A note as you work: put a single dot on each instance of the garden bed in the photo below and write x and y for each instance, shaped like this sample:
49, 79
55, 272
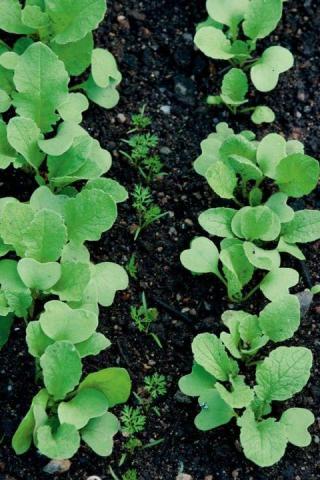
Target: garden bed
153, 42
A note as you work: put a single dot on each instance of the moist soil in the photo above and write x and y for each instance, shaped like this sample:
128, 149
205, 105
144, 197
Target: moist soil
152, 40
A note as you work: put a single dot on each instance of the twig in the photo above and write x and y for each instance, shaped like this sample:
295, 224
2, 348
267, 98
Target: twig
170, 309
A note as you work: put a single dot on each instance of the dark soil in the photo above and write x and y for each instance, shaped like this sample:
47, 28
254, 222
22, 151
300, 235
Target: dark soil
152, 40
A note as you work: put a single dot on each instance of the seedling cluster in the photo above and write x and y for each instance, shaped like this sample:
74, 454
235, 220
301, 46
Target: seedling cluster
231, 32
45, 263
258, 181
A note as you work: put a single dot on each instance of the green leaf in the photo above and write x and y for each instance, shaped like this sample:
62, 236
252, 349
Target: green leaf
66, 288
104, 68
292, 249
114, 383
209, 353
35, 18
283, 373
278, 203
234, 87
10, 17
297, 174
60, 322
238, 145
110, 186
104, 97
261, 18
274, 61
244, 167
213, 43
17, 295
5, 101
241, 395
214, 411
296, 422
72, 252
71, 20
88, 403
263, 114
197, 382
280, 319
229, 13
294, 146
99, 433
271, 150
5, 327
45, 237
260, 258
89, 214
59, 144
265, 442
106, 279
84, 160
94, 345
278, 282
72, 108
217, 221
256, 223
202, 257
75, 55
304, 228
222, 179
62, 368
39, 99
22, 438
38, 276
23, 135
43, 199
37, 340
7, 153
236, 268
59, 445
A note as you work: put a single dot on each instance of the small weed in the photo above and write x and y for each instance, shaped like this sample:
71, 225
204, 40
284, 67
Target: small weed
155, 385
131, 267
132, 420
147, 211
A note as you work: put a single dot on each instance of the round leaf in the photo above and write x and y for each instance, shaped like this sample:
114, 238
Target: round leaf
38, 276
297, 174
280, 319
202, 257
213, 43
217, 221
265, 73
88, 403
59, 445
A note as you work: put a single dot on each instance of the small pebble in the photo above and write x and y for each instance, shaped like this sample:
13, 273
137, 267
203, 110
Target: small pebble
166, 109
57, 466
121, 117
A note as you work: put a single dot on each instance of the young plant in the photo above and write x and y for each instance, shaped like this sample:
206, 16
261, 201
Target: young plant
155, 385
231, 33
239, 169
132, 268
48, 234
130, 474
223, 393
67, 411
143, 147
68, 156
132, 420
147, 211
143, 317
66, 29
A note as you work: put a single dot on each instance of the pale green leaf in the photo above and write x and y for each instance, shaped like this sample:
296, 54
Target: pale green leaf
60, 322
114, 383
296, 422
261, 18
104, 97
274, 61
197, 382
110, 186
10, 17
280, 319
209, 353
229, 13
106, 279
278, 282
278, 203
104, 68
217, 221
240, 395
261, 258
37, 340
88, 403
214, 411
265, 442
263, 114
89, 214
304, 228
38, 276
202, 257
234, 87
75, 55
271, 150
222, 179
42, 85
93, 345
71, 20
297, 174
62, 368
59, 445
23, 135
99, 433
290, 248
67, 288
283, 373
213, 43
